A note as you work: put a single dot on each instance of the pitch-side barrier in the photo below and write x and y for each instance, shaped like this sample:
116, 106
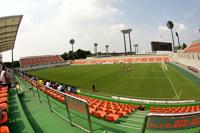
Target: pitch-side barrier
75, 108
160, 121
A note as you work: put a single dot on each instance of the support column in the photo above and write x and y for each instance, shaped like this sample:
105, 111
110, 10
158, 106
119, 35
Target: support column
12, 58
130, 43
124, 43
172, 41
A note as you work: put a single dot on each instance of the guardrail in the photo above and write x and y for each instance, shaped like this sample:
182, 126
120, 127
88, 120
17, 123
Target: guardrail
72, 104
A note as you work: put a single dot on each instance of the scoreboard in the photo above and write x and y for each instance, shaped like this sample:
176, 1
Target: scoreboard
161, 46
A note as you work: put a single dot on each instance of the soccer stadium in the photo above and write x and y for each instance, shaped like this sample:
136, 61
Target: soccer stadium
130, 88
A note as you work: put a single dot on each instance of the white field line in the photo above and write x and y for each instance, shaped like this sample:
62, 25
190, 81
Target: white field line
128, 126
174, 89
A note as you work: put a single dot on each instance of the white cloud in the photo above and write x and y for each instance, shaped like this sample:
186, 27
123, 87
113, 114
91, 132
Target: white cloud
163, 28
48, 25
182, 27
118, 27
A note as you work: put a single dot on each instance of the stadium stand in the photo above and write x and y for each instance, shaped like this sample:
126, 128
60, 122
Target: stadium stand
193, 48
189, 57
107, 110
182, 109
3, 108
40, 60
149, 59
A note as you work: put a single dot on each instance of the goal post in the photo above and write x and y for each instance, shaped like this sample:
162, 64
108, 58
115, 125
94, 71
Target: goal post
172, 121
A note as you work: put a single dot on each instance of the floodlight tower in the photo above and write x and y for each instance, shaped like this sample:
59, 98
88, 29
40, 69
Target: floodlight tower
124, 32
170, 25
136, 48
72, 41
178, 40
95, 49
129, 31
107, 49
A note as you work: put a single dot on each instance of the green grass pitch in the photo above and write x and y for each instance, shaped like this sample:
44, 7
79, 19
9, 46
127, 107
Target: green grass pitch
135, 80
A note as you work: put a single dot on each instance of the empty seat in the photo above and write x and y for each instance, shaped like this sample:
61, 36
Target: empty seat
3, 106
3, 94
4, 129
3, 91
3, 99
99, 114
121, 113
112, 117
4, 117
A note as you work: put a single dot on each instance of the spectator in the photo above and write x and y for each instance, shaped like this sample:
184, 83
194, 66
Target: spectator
3, 75
73, 90
4, 78
48, 84
60, 88
69, 88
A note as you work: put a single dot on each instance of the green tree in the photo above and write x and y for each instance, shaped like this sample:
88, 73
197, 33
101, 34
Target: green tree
64, 56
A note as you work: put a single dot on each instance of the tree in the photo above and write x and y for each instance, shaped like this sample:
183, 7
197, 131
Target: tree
9, 64
79, 54
64, 56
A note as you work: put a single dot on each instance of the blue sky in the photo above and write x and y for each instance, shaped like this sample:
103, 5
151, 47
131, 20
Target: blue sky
48, 25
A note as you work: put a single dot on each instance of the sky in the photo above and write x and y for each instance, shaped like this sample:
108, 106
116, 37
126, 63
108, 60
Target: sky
48, 25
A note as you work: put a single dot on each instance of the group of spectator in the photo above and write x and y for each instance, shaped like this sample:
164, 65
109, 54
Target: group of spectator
6, 77
62, 87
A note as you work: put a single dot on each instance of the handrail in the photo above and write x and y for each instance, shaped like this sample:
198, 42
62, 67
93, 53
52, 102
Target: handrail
31, 81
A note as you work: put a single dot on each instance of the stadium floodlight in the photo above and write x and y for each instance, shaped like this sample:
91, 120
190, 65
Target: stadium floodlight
178, 40
95, 49
124, 32
170, 25
107, 49
72, 41
136, 48
127, 31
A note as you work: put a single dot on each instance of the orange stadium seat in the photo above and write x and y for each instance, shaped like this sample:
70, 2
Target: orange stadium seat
3, 95
4, 129
112, 117
3, 106
4, 117
99, 114
3, 99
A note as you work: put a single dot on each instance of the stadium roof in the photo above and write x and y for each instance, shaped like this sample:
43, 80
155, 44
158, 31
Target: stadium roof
8, 31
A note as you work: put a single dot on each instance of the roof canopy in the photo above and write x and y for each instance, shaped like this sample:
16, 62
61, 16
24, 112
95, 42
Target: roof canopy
8, 31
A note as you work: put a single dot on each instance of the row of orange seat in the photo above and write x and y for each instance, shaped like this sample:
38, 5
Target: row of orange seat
39, 60
182, 109
193, 48
3, 107
111, 111
124, 60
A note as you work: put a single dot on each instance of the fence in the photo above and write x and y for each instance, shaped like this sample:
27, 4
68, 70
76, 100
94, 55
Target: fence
70, 108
